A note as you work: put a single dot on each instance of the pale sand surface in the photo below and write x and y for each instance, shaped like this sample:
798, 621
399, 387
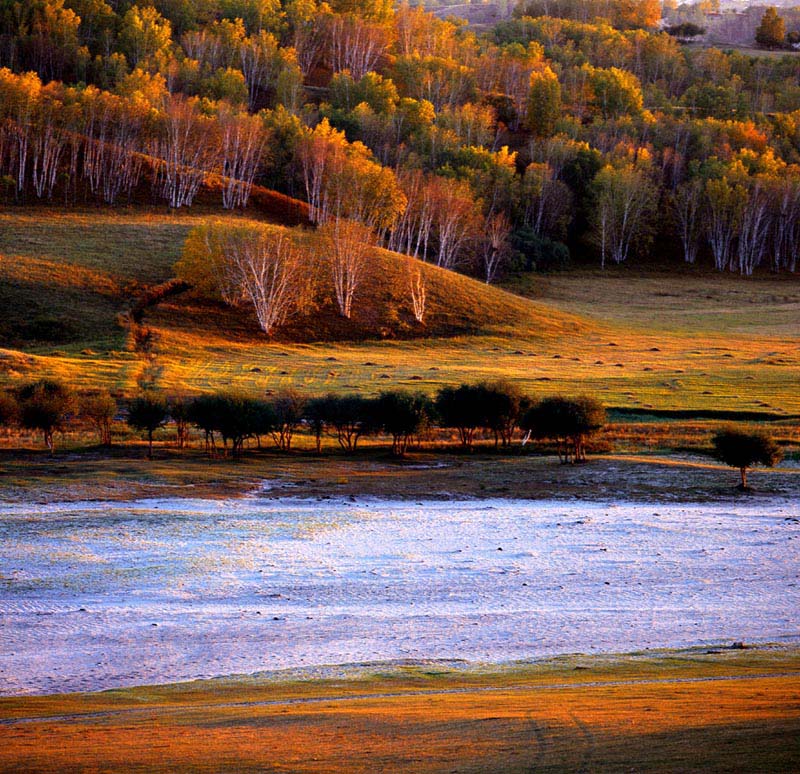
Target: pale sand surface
100, 595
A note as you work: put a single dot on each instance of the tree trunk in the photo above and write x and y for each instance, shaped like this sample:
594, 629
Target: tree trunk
743, 471
149, 444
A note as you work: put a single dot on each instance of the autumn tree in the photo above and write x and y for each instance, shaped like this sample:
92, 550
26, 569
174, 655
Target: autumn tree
265, 267
343, 181
99, 409
614, 92
771, 32
244, 141
495, 247
786, 223
355, 44
40, 36
725, 204
144, 35
755, 227
547, 201
347, 245
687, 204
544, 103
185, 150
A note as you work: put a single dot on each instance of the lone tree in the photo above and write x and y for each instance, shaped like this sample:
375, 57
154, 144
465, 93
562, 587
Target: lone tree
44, 406
771, 33
147, 413
743, 450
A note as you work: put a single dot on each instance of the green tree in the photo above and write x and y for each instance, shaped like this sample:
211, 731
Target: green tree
743, 450
771, 33
402, 415
145, 33
147, 413
288, 408
349, 417
567, 421
544, 103
45, 406
504, 405
464, 408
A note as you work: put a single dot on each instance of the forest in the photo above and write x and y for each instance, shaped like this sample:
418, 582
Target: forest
568, 132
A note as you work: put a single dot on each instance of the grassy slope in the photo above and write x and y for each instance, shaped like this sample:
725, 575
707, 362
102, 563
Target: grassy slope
81, 270
680, 711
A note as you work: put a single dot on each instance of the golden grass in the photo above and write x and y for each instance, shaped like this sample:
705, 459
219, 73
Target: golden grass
688, 711
690, 340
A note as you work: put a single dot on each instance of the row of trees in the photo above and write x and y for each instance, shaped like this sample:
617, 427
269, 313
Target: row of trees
497, 409
57, 137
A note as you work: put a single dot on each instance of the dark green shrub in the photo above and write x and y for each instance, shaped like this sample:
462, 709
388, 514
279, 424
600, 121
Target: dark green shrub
743, 450
288, 408
567, 421
45, 406
147, 413
402, 415
462, 408
504, 405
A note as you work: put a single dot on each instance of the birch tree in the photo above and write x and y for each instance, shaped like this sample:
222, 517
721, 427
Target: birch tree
687, 201
355, 45
243, 144
755, 228
270, 268
725, 205
624, 206
495, 247
418, 289
347, 245
186, 150
786, 224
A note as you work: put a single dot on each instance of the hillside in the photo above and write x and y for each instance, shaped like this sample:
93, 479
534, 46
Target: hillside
68, 278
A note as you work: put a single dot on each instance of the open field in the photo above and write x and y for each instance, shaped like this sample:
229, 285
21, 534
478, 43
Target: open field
689, 711
723, 342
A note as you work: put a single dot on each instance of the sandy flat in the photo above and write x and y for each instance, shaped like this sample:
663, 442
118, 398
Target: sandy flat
101, 595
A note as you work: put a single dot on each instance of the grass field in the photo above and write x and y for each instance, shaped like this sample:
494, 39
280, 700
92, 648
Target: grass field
694, 340
690, 711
